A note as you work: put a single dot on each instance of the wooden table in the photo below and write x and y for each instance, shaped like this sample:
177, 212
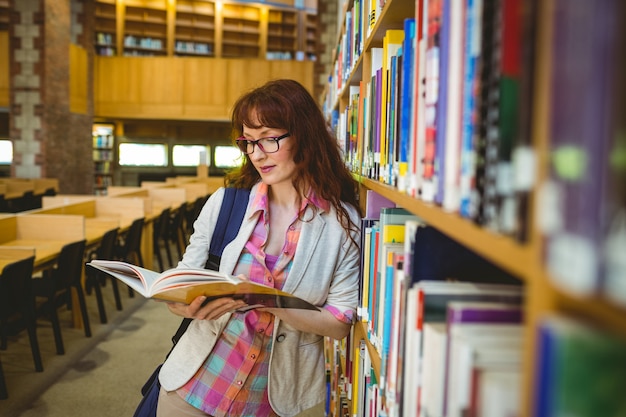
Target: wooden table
46, 251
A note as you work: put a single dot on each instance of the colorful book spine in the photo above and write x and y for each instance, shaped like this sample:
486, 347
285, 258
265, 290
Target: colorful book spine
580, 370
471, 84
406, 104
431, 99
450, 170
441, 107
580, 140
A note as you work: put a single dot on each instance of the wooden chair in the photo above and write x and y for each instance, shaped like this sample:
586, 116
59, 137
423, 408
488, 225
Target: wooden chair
128, 247
177, 234
160, 238
56, 284
192, 213
17, 309
96, 279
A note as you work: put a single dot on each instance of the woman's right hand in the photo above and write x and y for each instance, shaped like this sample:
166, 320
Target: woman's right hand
212, 310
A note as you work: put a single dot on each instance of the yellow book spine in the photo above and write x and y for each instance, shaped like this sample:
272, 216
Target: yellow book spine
393, 233
392, 41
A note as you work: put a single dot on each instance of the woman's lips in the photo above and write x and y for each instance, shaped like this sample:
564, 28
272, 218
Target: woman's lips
266, 169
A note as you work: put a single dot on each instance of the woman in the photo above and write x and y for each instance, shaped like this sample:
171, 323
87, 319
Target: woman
299, 234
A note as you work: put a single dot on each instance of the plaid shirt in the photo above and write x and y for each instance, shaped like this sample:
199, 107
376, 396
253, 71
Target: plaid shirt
233, 379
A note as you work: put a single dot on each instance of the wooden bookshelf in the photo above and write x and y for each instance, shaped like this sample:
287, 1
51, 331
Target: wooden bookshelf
145, 28
282, 34
204, 28
522, 259
241, 31
106, 28
195, 28
310, 36
103, 139
4, 15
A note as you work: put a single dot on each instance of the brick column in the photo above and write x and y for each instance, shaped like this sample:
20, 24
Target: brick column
49, 140
327, 11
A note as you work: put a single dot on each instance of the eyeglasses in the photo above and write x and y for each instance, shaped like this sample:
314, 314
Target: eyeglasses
267, 145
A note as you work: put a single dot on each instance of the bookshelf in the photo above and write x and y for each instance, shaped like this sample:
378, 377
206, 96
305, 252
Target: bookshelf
4, 15
195, 28
309, 39
282, 34
241, 30
145, 28
106, 29
103, 156
204, 28
521, 254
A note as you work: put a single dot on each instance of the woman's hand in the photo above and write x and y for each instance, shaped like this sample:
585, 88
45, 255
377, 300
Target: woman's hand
210, 311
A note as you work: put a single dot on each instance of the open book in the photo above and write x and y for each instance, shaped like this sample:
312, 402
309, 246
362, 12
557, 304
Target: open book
184, 285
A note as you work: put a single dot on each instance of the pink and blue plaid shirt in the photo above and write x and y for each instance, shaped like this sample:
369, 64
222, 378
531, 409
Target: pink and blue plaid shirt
233, 379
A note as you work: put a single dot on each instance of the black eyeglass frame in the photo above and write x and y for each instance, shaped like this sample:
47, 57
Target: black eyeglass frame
244, 143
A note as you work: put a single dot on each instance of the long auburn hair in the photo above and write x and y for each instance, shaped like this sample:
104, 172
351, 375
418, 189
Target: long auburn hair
286, 104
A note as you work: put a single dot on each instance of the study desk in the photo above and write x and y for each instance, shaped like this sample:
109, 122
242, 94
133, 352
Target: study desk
8, 256
41, 234
46, 251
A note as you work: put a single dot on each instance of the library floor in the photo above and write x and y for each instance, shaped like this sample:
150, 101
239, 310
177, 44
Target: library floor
98, 376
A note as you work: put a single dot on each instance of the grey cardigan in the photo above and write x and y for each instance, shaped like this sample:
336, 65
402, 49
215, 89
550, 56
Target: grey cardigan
325, 271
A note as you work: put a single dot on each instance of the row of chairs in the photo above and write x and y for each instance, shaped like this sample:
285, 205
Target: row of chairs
24, 299
174, 228
27, 201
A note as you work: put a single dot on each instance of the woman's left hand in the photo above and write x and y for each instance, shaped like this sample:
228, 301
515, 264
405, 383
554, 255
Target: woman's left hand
212, 310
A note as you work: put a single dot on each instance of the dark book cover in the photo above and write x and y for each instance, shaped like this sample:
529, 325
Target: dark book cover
441, 119
583, 42
438, 257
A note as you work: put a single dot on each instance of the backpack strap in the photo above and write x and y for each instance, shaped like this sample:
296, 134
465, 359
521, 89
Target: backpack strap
228, 223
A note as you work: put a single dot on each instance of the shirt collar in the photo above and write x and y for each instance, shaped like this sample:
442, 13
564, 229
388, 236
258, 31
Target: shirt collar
261, 201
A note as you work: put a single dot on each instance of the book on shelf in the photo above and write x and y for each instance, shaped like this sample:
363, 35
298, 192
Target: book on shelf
434, 10
471, 82
385, 316
472, 326
434, 368
438, 257
496, 393
452, 378
391, 235
405, 110
581, 369
580, 134
183, 285
614, 284
449, 178
417, 141
427, 301
442, 119
524, 155
366, 264
392, 127
374, 203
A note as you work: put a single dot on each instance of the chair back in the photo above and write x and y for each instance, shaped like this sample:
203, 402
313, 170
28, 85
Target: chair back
70, 264
107, 245
15, 288
133, 237
161, 226
176, 223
